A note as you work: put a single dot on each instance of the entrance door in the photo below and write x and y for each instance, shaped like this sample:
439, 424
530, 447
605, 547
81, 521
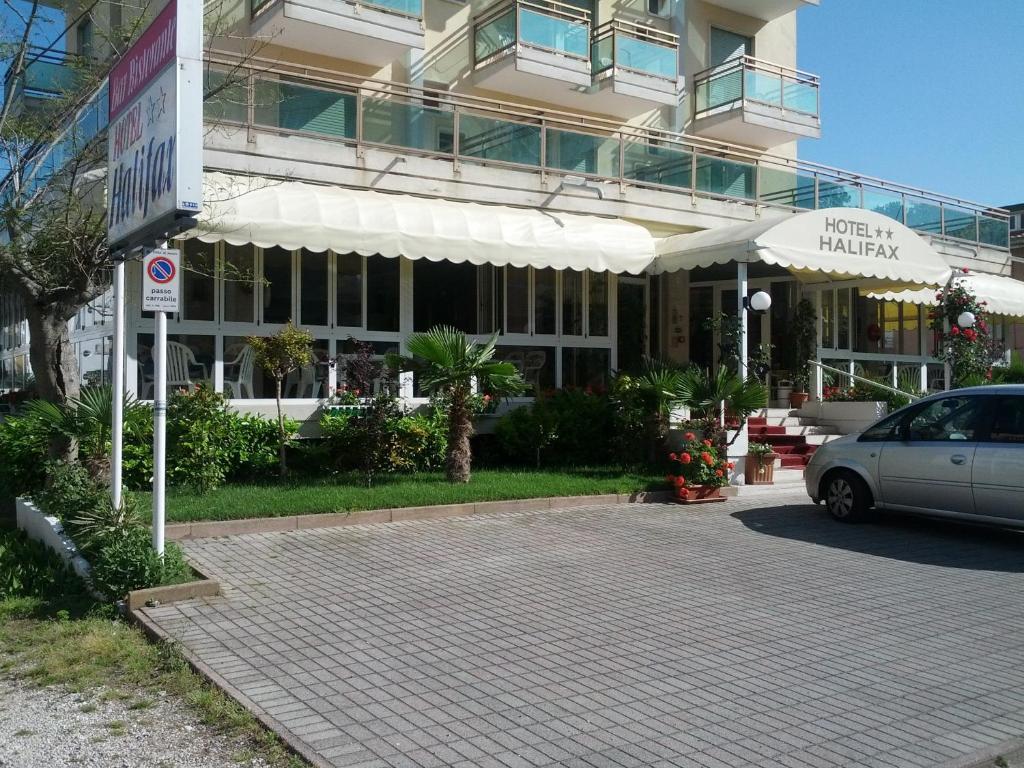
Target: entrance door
632, 319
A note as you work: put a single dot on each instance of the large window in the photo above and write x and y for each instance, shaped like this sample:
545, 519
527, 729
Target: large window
239, 284
350, 290
277, 285
382, 293
190, 360
313, 288
463, 296
518, 298
198, 283
545, 301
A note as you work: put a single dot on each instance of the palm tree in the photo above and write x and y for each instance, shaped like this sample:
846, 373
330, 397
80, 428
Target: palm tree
658, 387
707, 394
448, 364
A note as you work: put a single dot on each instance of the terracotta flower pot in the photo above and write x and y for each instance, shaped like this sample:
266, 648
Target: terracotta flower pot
699, 494
797, 399
761, 468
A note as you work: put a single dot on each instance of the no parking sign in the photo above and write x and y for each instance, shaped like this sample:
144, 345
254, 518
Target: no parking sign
161, 278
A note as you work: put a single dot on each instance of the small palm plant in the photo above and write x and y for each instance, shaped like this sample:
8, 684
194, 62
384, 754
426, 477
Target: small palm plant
658, 387
447, 364
708, 394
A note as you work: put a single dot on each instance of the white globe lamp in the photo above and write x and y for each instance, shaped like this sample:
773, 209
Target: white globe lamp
761, 301
966, 320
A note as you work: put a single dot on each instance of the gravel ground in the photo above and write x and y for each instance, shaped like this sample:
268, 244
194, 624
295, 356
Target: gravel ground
55, 728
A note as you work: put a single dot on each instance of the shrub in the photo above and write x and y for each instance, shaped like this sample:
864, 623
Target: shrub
422, 442
30, 569
71, 492
567, 428
698, 462
126, 561
24, 441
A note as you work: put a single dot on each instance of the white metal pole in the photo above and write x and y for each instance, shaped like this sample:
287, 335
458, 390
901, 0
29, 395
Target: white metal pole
117, 388
741, 313
159, 429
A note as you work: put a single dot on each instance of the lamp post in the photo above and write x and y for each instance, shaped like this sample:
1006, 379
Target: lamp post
964, 320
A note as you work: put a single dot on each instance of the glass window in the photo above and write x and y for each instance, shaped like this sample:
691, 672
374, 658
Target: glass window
382, 293
597, 293
198, 281
946, 419
572, 303
277, 285
702, 341
239, 283
350, 290
910, 329
545, 296
517, 280
535, 364
885, 429
843, 318
189, 362
444, 294
1008, 421
489, 299
654, 310
725, 45
313, 288
585, 368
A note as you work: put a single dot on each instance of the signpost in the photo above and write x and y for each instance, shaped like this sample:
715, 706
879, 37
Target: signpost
154, 189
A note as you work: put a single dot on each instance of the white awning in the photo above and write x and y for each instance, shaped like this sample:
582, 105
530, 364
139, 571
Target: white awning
1004, 295
824, 245
292, 215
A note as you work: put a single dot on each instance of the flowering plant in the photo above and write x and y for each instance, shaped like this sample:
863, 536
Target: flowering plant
969, 350
345, 396
697, 462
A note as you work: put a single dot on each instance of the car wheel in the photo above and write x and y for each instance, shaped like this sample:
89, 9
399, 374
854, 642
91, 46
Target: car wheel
847, 498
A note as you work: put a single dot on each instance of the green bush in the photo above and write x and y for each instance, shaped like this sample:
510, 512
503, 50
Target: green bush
70, 491
567, 428
126, 561
29, 569
24, 441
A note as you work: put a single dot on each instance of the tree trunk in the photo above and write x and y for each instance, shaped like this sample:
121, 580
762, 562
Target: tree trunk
54, 367
460, 428
282, 438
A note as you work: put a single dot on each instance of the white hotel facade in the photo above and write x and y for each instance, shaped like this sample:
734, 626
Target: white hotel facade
591, 178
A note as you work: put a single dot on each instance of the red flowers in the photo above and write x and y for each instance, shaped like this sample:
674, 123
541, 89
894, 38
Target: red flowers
965, 270
719, 473
955, 330
730, 465
706, 443
685, 458
672, 457
689, 436
706, 458
970, 334
680, 482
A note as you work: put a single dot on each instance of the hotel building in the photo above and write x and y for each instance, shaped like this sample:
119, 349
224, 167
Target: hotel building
592, 179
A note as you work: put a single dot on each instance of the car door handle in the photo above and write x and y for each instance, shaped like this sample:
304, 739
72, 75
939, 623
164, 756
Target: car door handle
958, 458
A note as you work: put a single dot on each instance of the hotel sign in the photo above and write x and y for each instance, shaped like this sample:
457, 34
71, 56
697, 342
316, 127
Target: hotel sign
849, 237
154, 138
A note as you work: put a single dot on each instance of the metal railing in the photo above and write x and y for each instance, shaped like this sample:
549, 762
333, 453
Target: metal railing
865, 380
745, 78
412, 9
545, 24
47, 74
635, 47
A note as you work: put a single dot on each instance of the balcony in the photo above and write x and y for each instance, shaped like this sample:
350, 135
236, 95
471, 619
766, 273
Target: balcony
765, 10
538, 49
48, 76
635, 68
375, 32
755, 103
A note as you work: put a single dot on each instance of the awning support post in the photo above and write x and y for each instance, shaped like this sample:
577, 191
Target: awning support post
741, 313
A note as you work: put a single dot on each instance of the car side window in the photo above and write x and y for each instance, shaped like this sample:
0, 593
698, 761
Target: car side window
883, 430
947, 419
1008, 420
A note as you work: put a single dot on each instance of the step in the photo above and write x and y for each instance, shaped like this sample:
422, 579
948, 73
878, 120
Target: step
787, 481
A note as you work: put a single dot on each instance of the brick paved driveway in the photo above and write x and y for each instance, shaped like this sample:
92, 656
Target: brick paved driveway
734, 635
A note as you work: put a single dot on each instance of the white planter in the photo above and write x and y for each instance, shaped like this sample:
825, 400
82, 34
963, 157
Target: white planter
846, 418
48, 531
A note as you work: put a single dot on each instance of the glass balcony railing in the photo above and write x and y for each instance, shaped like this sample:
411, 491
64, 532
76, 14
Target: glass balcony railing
746, 79
47, 75
637, 48
410, 8
545, 24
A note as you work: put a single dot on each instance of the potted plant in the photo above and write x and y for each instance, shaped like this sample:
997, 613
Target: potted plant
760, 464
698, 471
804, 333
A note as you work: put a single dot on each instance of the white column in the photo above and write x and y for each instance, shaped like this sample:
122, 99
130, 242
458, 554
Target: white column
117, 388
741, 313
159, 429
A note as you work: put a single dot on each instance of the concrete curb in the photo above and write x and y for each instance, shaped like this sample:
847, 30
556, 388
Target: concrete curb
203, 586
292, 743
212, 529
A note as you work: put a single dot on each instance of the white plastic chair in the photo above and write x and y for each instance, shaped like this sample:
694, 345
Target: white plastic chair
180, 364
241, 368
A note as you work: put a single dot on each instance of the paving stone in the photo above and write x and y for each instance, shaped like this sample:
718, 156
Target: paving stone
745, 634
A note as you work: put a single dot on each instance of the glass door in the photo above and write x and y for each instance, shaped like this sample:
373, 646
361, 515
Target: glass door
632, 334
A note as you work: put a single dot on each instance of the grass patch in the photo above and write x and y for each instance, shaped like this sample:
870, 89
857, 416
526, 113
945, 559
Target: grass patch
348, 493
84, 646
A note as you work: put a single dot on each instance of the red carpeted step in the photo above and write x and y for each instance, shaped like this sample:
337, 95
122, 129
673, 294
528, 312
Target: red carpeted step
762, 431
789, 460
757, 421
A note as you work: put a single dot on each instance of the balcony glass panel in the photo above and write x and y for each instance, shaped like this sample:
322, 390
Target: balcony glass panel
602, 54
800, 96
884, 202
924, 215
725, 177
408, 125
582, 152
228, 102
490, 139
496, 35
763, 86
992, 231
404, 7
665, 165
49, 77
831, 194
781, 187
303, 108
645, 56
719, 90
960, 223
553, 33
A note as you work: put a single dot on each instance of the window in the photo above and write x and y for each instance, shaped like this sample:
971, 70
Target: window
725, 45
1008, 421
277, 285
658, 7
545, 297
843, 319
85, 38
197, 278
946, 419
239, 284
382, 302
597, 289
572, 303
518, 297
585, 368
350, 290
313, 288
444, 294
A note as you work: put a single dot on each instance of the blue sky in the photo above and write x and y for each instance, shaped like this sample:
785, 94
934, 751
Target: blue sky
923, 92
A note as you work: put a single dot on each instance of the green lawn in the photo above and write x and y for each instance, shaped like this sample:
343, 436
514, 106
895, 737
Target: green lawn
348, 493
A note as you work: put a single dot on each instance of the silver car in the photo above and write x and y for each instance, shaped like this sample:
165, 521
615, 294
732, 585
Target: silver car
957, 454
